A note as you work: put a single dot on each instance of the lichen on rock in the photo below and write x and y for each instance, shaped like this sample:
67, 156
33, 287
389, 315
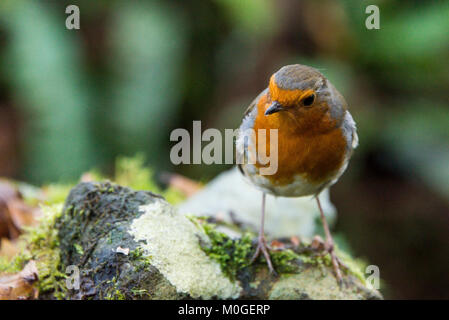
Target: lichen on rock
173, 242
132, 244
313, 284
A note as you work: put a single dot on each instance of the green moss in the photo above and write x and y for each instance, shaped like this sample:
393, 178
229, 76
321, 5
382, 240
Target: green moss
356, 266
233, 255
56, 193
140, 293
175, 243
173, 196
132, 172
285, 261
136, 254
116, 291
43, 243
42, 246
15, 264
323, 260
78, 248
4, 264
343, 250
140, 261
113, 292
312, 283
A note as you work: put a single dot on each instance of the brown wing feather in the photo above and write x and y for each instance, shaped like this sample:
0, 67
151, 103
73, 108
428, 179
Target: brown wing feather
253, 104
248, 110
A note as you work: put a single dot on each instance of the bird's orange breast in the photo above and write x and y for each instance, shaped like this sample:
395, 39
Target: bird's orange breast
312, 146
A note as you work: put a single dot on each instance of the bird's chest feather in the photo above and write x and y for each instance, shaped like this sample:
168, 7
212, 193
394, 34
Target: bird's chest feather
316, 155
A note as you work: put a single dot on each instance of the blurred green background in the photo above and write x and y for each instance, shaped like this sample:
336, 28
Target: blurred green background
72, 100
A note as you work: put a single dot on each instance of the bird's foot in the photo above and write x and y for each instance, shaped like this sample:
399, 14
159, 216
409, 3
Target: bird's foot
337, 264
262, 247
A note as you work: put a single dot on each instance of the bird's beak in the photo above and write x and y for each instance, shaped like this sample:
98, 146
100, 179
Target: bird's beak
275, 107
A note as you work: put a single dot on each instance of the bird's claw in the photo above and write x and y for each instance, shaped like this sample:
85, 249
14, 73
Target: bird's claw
262, 247
337, 264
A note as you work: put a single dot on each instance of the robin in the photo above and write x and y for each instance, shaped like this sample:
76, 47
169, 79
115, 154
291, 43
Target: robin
316, 136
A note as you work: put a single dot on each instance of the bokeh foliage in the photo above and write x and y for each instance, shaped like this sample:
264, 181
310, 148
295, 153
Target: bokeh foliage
138, 69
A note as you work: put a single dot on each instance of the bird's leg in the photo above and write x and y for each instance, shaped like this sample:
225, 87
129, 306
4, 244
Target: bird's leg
261, 243
329, 245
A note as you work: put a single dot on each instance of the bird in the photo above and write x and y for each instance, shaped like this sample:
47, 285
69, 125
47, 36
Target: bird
316, 136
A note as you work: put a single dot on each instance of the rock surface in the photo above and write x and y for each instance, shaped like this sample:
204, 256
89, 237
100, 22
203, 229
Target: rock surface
134, 245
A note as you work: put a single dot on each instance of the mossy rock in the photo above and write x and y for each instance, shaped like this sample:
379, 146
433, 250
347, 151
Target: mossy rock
134, 245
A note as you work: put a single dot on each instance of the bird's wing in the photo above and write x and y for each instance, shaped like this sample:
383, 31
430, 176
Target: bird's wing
350, 127
254, 103
246, 124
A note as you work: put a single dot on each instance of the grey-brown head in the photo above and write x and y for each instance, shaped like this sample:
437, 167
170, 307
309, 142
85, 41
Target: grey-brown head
298, 89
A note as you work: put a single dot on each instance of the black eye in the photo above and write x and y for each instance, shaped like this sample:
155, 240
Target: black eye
309, 100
